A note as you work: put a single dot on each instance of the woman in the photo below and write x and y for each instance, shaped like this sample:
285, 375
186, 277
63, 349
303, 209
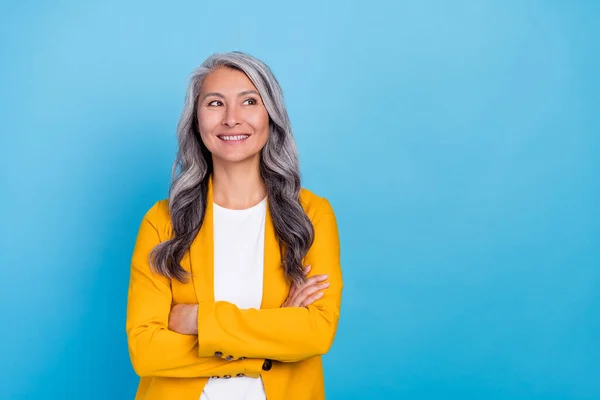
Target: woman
236, 283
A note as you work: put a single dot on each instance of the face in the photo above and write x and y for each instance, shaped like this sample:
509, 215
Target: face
232, 119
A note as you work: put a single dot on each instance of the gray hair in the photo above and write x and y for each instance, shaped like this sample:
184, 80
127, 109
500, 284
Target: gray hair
279, 169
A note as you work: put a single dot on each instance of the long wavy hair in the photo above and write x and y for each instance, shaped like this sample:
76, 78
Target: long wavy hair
279, 169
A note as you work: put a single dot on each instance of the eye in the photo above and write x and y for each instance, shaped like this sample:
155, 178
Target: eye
250, 101
215, 103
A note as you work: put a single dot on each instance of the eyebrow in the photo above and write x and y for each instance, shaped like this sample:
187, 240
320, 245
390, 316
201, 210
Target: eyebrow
217, 94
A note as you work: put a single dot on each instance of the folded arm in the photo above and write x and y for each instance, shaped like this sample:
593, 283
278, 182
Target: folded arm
154, 349
283, 334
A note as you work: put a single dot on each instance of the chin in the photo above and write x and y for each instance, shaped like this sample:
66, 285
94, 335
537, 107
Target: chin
236, 158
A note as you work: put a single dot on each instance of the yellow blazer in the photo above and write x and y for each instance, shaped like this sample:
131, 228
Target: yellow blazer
231, 341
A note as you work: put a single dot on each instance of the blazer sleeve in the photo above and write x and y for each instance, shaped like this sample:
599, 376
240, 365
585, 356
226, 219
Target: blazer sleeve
282, 334
153, 348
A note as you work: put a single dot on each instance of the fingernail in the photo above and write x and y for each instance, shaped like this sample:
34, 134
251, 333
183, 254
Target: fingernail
325, 284
320, 294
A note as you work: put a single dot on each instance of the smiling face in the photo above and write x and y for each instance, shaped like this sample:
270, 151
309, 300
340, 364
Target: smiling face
232, 119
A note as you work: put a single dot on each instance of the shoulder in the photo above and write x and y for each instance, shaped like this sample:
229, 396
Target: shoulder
315, 206
158, 216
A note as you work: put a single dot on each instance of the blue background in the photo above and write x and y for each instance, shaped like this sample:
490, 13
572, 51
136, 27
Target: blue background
457, 141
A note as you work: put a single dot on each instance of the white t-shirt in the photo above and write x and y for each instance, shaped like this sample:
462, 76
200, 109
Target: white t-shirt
238, 271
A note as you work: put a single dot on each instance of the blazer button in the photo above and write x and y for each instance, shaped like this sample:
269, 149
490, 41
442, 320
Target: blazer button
229, 358
227, 376
240, 375
218, 353
267, 365
242, 358
215, 377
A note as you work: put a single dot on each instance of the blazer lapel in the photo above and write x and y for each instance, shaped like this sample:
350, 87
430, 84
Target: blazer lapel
202, 254
274, 282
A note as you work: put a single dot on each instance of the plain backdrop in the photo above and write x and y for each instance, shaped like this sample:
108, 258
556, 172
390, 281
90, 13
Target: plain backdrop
457, 141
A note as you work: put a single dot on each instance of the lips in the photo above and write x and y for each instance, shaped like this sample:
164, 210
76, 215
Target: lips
234, 138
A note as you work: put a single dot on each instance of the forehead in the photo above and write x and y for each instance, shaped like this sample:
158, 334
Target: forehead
227, 80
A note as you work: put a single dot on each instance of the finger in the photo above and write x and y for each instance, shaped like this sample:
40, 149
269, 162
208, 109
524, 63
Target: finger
300, 290
299, 294
293, 290
293, 299
307, 281
305, 271
316, 279
311, 299
291, 295
310, 290
307, 292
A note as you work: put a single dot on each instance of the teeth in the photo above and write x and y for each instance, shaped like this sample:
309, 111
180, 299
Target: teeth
237, 137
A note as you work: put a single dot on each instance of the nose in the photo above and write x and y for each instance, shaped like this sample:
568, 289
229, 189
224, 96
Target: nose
231, 117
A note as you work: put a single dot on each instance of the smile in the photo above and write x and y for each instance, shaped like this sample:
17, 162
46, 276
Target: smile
233, 138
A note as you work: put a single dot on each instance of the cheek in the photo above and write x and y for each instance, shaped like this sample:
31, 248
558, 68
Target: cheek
260, 122
207, 123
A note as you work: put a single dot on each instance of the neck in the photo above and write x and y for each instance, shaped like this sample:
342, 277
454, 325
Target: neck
239, 185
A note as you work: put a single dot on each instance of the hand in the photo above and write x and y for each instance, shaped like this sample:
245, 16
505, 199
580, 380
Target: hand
184, 319
306, 293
